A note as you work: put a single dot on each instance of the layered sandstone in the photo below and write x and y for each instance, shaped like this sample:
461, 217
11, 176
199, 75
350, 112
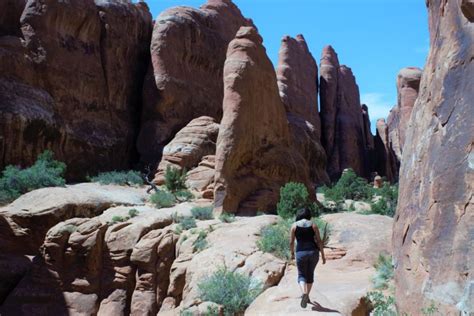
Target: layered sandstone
345, 136
297, 75
70, 81
254, 157
184, 82
386, 163
432, 235
186, 150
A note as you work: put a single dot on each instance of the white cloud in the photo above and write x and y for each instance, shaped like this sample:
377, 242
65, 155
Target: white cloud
379, 105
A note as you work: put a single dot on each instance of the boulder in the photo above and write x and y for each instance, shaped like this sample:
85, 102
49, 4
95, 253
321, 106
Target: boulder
201, 178
184, 82
342, 283
254, 156
344, 122
433, 232
297, 76
70, 81
25, 221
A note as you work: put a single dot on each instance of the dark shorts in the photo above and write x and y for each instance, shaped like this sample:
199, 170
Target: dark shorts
306, 262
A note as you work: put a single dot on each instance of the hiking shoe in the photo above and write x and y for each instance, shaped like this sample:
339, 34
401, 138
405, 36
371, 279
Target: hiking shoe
304, 300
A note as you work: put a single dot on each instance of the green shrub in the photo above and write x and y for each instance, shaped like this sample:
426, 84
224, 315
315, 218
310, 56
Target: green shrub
227, 218
382, 305
133, 212
348, 187
118, 219
202, 212
387, 203
324, 230
384, 272
293, 197
175, 179
201, 242
163, 199
183, 195
234, 291
186, 223
275, 239
432, 309
45, 172
119, 177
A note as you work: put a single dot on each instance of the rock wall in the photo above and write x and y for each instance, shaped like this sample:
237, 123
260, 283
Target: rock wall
297, 76
254, 156
433, 230
184, 82
386, 163
343, 123
70, 81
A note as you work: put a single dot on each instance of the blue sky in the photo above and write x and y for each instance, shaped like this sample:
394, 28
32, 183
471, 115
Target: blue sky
376, 38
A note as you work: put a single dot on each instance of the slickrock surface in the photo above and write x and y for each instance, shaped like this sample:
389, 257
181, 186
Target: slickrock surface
433, 232
341, 283
345, 136
189, 146
70, 81
254, 156
188, 50
25, 221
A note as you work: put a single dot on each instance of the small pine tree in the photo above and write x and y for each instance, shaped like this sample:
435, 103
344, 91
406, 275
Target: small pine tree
175, 179
293, 197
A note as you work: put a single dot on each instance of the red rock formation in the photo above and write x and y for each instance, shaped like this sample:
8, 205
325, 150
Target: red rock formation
254, 157
386, 163
408, 85
344, 134
433, 230
185, 80
297, 75
72, 83
189, 146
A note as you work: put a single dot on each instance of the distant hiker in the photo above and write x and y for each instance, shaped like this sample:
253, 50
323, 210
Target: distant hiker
308, 246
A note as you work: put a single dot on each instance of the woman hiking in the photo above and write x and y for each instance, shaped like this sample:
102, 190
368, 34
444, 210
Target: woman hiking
308, 246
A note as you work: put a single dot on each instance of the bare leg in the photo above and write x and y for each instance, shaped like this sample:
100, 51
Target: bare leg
303, 287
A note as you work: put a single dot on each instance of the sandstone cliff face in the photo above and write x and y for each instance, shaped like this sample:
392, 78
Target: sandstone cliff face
297, 75
343, 124
386, 163
433, 231
70, 81
184, 82
254, 157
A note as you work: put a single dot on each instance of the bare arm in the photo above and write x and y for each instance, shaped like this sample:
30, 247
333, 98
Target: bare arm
319, 242
292, 241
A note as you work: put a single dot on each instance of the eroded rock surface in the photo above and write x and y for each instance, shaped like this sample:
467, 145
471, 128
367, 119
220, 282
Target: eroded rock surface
70, 81
188, 51
345, 136
433, 231
254, 156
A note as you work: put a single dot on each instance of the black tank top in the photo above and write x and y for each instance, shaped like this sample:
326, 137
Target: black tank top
305, 239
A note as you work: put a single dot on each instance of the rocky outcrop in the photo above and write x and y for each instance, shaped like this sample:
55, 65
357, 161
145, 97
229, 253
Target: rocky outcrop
189, 146
432, 235
297, 75
254, 156
343, 282
25, 221
201, 178
70, 81
188, 51
408, 85
344, 126
386, 163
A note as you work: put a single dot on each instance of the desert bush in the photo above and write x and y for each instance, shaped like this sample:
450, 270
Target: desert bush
275, 239
118, 219
387, 203
227, 218
133, 212
45, 172
348, 187
293, 197
201, 242
233, 290
119, 177
202, 212
384, 272
163, 199
185, 223
175, 179
183, 195
382, 305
